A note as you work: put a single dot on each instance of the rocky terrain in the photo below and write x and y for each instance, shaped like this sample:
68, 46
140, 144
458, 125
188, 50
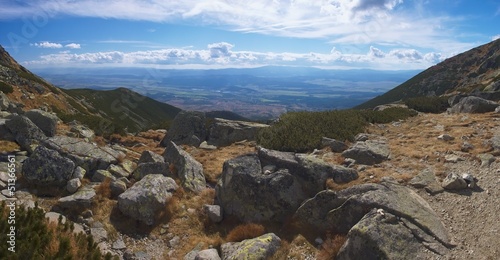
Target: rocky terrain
421, 188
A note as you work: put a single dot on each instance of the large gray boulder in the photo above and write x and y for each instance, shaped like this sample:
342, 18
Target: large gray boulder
188, 127
335, 145
382, 235
85, 154
4, 102
25, 131
473, 104
312, 172
46, 121
247, 193
147, 197
48, 167
259, 248
150, 157
224, 132
340, 211
189, 171
368, 152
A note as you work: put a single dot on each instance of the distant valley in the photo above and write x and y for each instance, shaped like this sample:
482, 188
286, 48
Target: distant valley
256, 93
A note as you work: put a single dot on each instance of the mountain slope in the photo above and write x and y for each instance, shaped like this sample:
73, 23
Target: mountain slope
472, 70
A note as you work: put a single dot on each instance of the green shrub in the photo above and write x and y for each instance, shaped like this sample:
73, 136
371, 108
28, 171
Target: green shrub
302, 131
428, 104
36, 240
6, 88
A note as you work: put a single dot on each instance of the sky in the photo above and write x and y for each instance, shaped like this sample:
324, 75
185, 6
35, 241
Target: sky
211, 34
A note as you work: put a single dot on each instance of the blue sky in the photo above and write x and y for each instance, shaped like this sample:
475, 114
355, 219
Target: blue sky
346, 34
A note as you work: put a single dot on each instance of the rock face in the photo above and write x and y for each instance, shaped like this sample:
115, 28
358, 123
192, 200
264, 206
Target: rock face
341, 211
188, 128
87, 155
225, 132
25, 131
46, 121
473, 104
189, 171
48, 167
146, 197
259, 248
244, 191
368, 152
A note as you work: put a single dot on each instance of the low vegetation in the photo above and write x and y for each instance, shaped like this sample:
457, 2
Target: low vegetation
302, 131
433, 104
36, 238
6, 88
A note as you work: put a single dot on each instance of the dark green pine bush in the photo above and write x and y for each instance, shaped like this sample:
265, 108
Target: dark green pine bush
302, 131
434, 105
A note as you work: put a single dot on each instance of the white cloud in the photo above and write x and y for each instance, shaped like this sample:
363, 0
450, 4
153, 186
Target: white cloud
221, 54
50, 45
73, 46
496, 37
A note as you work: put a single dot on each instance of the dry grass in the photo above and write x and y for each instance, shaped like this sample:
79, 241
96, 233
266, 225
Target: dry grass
245, 231
331, 246
103, 190
7, 146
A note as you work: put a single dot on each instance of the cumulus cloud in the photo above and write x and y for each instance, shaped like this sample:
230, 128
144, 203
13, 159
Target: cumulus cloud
221, 54
50, 45
73, 46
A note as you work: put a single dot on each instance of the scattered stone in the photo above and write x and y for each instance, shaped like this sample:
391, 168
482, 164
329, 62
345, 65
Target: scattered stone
117, 187
192, 254
99, 233
144, 169
4, 101
79, 172
262, 247
150, 157
208, 254
188, 127
119, 245
81, 131
335, 145
423, 179
174, 241
47, 122
361, 137
224, 132
469, 179
472, 104
54, 217
466, 147
73, 185
80, 200
189, 171
454, 182
486, 159
102, 175
146, 197
25, 131
453, 158
268, 169
205, 146
446, 137
368, 152
48, 167
214, 212
118, 171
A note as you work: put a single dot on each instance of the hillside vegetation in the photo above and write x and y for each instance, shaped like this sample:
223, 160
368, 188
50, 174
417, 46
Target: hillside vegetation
302, 131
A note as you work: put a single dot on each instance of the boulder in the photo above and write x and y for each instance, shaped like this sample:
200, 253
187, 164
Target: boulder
445, 137
426, 179
486, 159
25, 131
48, 167
188, 127
208, 254
368, 152
147, 197
214, 212
224, 132
340, 211
473, 104
118, 171
381, 235
46, 121
259, 248
150, 157
454, 182
4, 102
144, 169
85, 154
80, 200
335, 145
73, 185
117, 187
312, 172
189, 171
81, 131
102, 175
245, 192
